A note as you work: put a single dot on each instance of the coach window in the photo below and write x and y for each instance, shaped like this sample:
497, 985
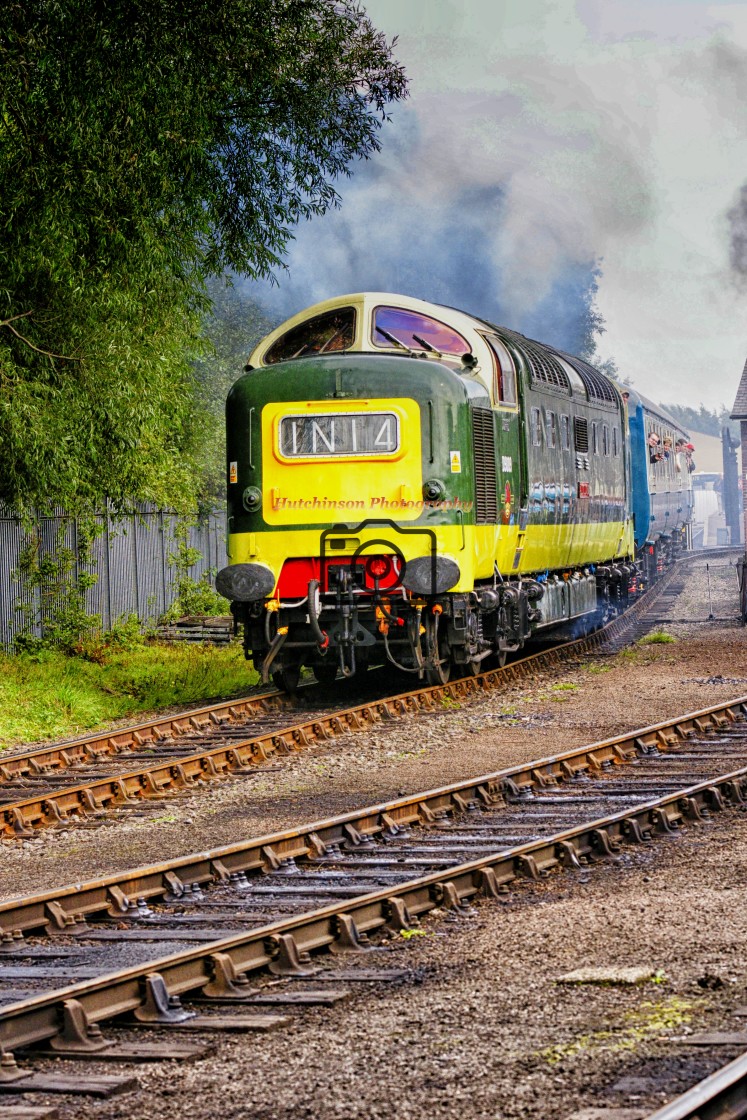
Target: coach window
395, 328
536, 427
565, 433
503, 371
324, 334
605, 439
551, 428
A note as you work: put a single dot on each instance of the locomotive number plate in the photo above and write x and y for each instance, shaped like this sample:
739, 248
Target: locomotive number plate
344, 433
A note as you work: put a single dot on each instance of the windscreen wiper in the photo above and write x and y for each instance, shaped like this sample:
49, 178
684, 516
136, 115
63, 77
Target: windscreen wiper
394, 340
426, 345
335, 335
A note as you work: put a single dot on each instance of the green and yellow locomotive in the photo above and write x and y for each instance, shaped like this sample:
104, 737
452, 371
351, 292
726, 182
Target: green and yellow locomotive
409, 483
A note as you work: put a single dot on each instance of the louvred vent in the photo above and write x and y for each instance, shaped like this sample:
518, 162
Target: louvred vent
581, 433
483, 441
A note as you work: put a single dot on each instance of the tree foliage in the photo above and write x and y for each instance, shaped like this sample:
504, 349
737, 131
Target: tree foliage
234, 327
145, 147
705, 420
593, 327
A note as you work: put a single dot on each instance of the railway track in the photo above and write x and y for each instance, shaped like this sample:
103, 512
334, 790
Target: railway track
240, 927
722, 1096
180, 752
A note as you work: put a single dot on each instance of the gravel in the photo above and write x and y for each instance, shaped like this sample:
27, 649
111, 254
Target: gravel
481, 1028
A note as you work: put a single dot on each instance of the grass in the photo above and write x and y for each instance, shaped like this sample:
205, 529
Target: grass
659, 637
47, 695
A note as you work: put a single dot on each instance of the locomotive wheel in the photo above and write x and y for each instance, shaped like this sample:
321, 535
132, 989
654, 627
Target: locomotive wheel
473, 667
326, 674
287, 678
440, 672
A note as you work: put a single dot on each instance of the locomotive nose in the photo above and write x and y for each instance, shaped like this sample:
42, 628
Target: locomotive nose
245, 583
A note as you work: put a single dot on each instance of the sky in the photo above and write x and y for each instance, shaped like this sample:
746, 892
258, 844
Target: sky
545, 145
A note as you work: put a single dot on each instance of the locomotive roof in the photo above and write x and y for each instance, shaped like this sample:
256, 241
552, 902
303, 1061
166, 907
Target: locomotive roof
549, 366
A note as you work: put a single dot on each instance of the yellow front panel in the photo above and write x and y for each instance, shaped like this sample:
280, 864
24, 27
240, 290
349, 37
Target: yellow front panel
323, 490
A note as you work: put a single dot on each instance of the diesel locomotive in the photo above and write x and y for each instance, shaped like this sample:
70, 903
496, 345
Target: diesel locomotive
409, 483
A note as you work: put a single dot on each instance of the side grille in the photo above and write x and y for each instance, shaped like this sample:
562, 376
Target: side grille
546, 369
483, 440
581, 433
598, 386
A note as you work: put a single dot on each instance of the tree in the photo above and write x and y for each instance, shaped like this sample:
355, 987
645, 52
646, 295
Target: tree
593, 327
235, 326
708, 422
146, 146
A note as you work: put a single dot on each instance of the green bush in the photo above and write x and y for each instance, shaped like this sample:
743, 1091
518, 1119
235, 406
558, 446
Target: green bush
193, 596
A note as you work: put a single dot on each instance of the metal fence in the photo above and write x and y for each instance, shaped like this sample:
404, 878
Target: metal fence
129, 557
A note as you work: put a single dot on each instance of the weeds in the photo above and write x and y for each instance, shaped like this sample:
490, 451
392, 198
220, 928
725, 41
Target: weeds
659, 637
640, 1025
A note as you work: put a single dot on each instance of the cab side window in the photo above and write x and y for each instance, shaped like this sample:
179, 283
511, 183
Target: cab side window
503, 369
551, 428
535, 423
565, 433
